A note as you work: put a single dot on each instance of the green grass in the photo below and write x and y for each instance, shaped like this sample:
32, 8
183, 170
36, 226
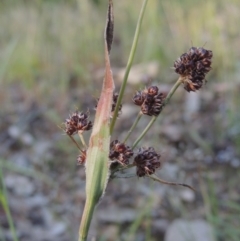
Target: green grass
223, 215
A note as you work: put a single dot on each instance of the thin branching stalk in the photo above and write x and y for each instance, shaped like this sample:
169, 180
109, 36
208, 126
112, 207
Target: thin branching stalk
129, 64
155, 178
74, 141
82, 139
133, 126
169, 96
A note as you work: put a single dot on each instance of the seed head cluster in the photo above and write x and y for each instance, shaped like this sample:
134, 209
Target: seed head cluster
120, 152
146, 161
193, 66
76, 122
150, 100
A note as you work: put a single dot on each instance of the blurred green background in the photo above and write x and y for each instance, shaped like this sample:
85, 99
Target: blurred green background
51, 60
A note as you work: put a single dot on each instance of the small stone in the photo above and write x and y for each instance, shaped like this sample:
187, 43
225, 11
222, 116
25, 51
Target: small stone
57, 229
20, 185
192, 105
27, 139
182, 230
173, 132
110, 232
235, 162
115, 215
187, 195
160, 226
14, 132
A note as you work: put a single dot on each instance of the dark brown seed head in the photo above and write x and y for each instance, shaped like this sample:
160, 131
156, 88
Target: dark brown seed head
146, 161
77, 121
138, 98
120, 152
193, 66
150, 100
152, 90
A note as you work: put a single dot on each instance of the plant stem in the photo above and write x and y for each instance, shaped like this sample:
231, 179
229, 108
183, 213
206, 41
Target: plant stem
86, 220
171, 92
82, 140
129, 64
133, 126
5, 206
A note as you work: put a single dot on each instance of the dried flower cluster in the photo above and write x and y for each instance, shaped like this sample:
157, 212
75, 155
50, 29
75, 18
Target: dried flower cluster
146, 161
150, 100
193, 66
120, 152
77, 122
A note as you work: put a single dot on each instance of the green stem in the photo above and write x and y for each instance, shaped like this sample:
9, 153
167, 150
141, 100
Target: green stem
82, 139
133, 126
169, 96
74, 141
86, 220
129, 65
4, 202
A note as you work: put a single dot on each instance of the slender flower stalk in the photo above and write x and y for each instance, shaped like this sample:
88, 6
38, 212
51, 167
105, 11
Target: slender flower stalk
82, 139
4, 202
155, 178
133, 126
74, 141
169, 96
129, 64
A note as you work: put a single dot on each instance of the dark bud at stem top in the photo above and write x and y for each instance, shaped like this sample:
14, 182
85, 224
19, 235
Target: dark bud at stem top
193, 66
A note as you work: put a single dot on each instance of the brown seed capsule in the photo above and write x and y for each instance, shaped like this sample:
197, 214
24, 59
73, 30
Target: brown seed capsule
138, 98
152, 90
193, 66
77, 121
146, 161
150, 100
120, 152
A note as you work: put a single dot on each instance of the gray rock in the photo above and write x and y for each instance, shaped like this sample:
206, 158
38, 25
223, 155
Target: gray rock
14, 132
116, 215
173, 133
57, 229
187, 195
27, 139
182, 230
20, 185
192, 105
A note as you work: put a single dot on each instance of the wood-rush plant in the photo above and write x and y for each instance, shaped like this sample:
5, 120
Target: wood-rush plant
104, 158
